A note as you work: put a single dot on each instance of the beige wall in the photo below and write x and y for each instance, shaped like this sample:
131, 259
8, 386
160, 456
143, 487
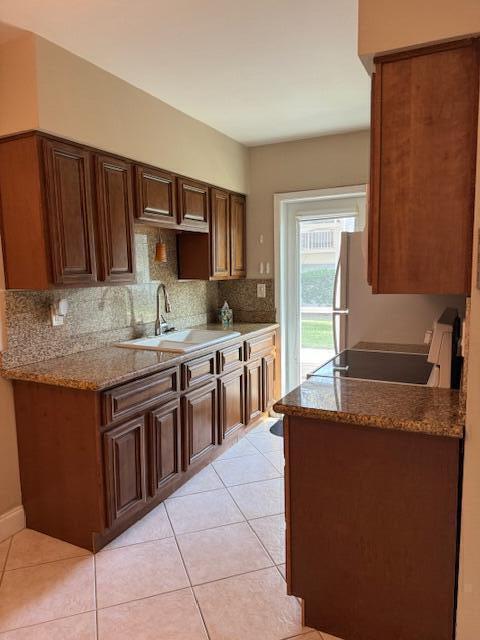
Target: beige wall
328, 161
386, 25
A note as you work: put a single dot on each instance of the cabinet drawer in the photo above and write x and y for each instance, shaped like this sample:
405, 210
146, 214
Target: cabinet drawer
137, 395
230, 358
198, 371
259, 346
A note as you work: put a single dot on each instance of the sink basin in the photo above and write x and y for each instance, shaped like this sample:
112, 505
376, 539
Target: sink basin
180, 341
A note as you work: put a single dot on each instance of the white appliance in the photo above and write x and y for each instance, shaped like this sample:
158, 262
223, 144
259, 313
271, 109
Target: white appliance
442, 348
359, 315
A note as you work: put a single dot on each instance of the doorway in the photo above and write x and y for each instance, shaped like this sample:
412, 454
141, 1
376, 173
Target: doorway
308, 228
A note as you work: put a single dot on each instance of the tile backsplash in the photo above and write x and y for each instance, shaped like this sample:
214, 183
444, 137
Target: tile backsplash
98, 316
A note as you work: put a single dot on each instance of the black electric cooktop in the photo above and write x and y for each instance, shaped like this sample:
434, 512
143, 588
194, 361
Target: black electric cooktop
386, 366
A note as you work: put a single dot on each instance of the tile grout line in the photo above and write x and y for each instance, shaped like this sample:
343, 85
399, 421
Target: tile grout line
40, 624
2, 574
42, 564
188, 576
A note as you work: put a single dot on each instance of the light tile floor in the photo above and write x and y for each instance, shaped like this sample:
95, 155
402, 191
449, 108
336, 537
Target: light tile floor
208, 564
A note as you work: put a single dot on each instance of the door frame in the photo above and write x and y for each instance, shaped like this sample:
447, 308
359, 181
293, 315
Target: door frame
287, 207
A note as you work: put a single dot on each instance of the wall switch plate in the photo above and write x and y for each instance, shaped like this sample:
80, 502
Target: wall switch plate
261, 291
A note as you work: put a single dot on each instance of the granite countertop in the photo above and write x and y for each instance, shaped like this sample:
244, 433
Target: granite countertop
420, 409
106, 367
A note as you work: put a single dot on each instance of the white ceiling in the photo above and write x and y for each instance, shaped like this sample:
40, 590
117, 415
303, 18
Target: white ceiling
260, 71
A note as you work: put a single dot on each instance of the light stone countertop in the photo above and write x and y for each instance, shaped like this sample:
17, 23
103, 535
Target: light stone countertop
99, 369
384, 405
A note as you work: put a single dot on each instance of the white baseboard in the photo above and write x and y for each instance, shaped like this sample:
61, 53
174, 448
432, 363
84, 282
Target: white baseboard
12, 522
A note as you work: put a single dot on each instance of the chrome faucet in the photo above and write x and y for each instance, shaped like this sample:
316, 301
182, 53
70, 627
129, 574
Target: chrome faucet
160, 322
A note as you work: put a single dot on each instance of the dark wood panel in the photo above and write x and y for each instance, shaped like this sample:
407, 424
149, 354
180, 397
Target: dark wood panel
372, 530
220, 234
199, 419
69, 212
125, 469
193, 204
232, 403
230, 358
269, 374
115, 219
254, 391
60, 461
25, 255
198, 371
238, 241
125, 399
156, 200
260, 345
165, 445
193, 254
426, 155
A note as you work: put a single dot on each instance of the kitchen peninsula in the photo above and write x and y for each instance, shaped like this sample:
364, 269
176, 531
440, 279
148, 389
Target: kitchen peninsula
373, 476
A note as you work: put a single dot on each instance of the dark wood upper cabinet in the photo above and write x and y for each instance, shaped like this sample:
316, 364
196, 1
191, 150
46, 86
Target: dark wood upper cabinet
69, 212
125, 469
424, 124
220, 235
156, 198
193, 204
238, 217
115, 219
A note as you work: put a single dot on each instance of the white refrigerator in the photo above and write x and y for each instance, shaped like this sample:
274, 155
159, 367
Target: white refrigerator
360, 316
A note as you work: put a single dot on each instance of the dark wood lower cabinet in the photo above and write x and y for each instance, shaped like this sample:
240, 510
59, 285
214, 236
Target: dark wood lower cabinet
254, 393
232, 402
372, 529
92, 462
165, 445
125, 469
199, 422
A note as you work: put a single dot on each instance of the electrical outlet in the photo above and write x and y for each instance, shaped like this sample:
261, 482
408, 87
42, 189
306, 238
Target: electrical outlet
261, 291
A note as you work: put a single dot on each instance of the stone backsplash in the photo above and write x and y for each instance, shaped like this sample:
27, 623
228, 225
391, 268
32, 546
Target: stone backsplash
101, 315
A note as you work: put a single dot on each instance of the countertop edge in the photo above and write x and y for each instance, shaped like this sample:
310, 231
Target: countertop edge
375, 422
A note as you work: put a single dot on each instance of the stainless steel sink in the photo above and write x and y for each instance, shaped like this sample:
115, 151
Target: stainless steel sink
180, 341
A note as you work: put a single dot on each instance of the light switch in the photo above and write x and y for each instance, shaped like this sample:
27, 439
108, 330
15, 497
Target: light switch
261, 291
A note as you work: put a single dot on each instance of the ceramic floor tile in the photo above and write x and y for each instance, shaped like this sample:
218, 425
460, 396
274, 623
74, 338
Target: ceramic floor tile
138, 571
277, 459
31, 547
4, 547
327, 636
154, 526
266, 441
262, 427
311, 635
260, 499
205, 480
253, 606
222, 552
172, 616
283, 570
202, 511
245, 469
243, 448
80, 627
271, 531
45, 592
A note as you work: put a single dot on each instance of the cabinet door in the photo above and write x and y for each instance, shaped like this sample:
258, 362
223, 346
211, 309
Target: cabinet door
155, 197
220, 234
115, 219
232, 402
193, 205
424, 170
238, 215
164, 445
199, 417
69, 211
254, 384
124, 451
268, 372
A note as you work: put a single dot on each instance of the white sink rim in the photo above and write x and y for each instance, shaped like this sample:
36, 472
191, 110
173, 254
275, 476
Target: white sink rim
169, 342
